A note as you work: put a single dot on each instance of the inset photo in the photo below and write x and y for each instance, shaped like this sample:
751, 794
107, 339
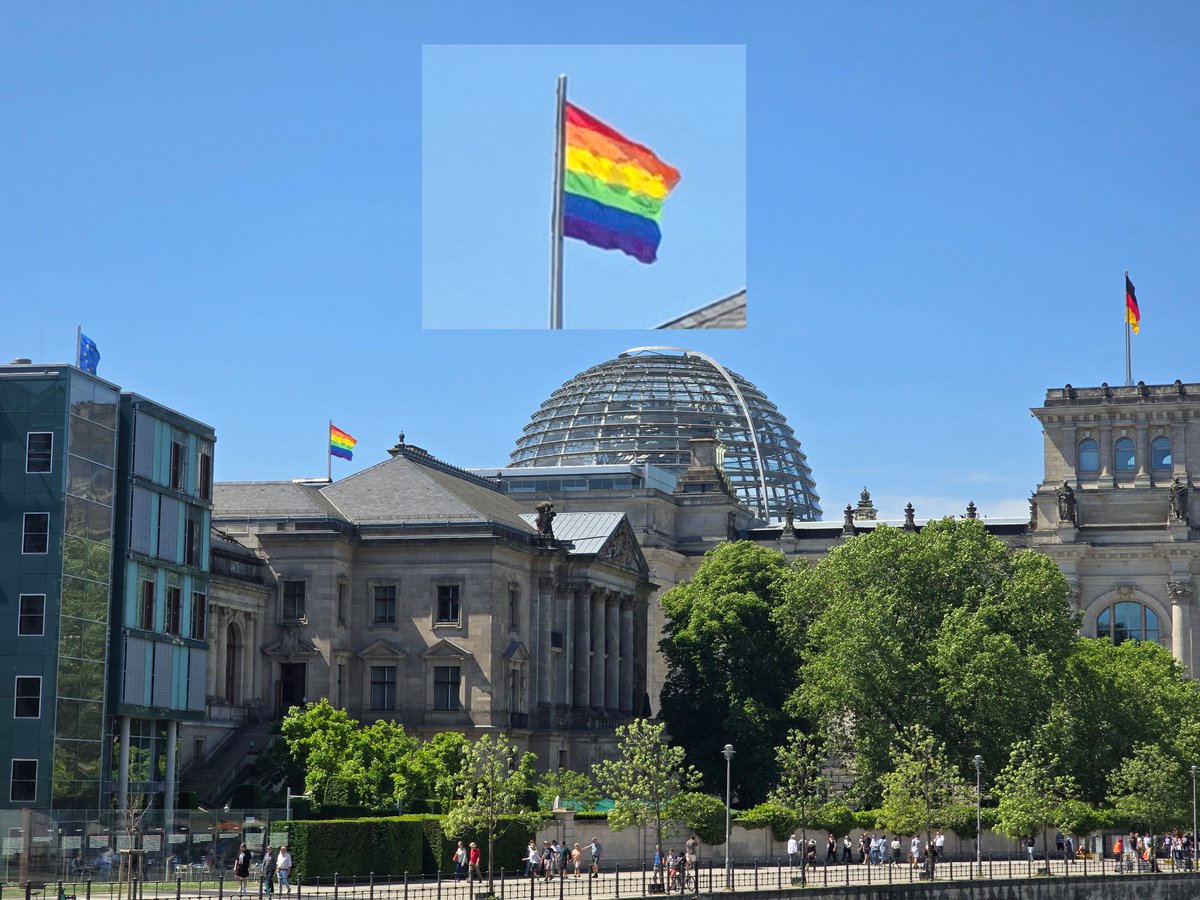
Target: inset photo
583, 186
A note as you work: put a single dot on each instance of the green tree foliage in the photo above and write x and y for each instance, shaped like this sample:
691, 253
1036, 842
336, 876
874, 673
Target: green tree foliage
575, 789
1148, 789
433, 771
923, 791
701, 813
804, 785
644, 779
492, 786
728, 668
1034, 797
1112, 698
946, 627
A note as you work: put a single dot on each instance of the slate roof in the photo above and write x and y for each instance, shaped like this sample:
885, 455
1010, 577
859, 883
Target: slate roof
588, 531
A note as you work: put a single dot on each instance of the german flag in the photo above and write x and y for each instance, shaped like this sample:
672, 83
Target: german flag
1133, 315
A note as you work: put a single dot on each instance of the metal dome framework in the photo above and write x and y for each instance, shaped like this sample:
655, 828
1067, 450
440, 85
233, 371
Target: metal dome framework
644, 406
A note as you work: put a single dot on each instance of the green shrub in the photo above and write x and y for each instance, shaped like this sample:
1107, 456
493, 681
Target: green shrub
385, 846
780, 819
702, 813
834, 817
865, 819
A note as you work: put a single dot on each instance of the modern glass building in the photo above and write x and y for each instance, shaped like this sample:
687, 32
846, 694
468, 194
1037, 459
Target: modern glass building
644, 406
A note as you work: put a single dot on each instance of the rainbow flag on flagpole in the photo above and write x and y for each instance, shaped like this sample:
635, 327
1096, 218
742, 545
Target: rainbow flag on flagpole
341, 444
613, 188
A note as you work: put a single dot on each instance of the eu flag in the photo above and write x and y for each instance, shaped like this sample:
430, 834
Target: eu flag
89, 354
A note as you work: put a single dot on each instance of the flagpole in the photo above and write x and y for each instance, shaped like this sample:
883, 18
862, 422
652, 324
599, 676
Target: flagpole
556, 209
329, 454
78, 345
1128, 369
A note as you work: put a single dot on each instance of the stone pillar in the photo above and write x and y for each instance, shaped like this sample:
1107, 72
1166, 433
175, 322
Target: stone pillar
216, 647
598, 648
1181, 622
1106, 456
1071, 457
626, 691
170, 785
1142, 442
612, 652
582, 671
544, 606
567, 604
1179, 451
123, 767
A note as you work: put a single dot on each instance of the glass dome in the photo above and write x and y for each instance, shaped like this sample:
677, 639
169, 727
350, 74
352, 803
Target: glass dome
643, 406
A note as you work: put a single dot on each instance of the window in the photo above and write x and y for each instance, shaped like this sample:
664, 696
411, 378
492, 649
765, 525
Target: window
514, 608
1128, 621
147, 618
191, 542
39, 452
385, 604
1089, 455
383, 687
24, 781
199, 615
445, 687
341, 602
1160, 453
174, 611
178, 467
341, 686
31, 621
1125, 461
36, 538
293, 599
28, 703
204, 474
447, 603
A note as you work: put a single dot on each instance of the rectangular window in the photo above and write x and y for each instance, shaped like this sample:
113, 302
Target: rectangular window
447, 603
28, 703
341, 602
204, 475
174, 609
514, 608
31, 622
385, 604
39, 452
445, 687
24, 781
147, 618
293, 600
36, 536
383, 687
178, 468
199, 615
341, 686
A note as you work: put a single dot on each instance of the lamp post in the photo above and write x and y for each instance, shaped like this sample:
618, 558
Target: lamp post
307, 795
728, 754
1193, 817
978, 817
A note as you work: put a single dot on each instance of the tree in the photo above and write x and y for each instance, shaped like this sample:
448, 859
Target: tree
947, 627
1147, 789
804, 784
434, 769
492, 785
924, 790
568, 786
728, 668
1033, 796
647, 775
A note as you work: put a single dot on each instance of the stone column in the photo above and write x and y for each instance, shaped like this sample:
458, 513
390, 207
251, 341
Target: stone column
582, 670
567, 604
123, 766
170, 785
626, 691
1106, 456
216, 648
545, 587
1071, 457
1179, 451
1142, 442
598, 648
612, 650
1181, 622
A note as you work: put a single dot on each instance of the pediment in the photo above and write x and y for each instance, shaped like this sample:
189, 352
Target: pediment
446, 648
517, 651
382, 649
622, 550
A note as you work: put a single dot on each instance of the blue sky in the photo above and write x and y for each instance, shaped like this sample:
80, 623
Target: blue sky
941, 198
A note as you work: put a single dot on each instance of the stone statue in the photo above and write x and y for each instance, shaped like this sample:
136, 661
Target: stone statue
1066, 503
789, 518
848, 520
1179, 501
545, 519
910, 518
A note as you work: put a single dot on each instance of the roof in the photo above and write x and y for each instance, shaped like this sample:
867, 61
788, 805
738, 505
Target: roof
728, 312
587, 531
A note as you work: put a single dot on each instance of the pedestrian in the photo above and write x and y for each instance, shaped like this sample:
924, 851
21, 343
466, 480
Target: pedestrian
1029, 848
576, 858
283, 866
597, 851
459, 858
914, 851
473, 862
241, 868
831, 849
547, 861
530, 859
791, 847
846, 849
691, 851
895, 849
268, 872
862, 849
939, 843
1070, 848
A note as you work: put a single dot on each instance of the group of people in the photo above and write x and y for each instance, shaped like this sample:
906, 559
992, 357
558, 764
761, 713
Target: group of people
466, 861
873, 849
1136, 850
678, 866
274, 865
553, 859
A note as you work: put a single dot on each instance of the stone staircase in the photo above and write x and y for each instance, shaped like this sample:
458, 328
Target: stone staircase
214, 778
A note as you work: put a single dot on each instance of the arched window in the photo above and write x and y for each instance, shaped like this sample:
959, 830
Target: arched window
1128, 621
1089, 455
1125, 459
1160, 453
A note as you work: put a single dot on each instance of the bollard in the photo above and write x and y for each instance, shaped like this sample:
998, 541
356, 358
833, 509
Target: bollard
178, 887
617, 869
371, 885
501, 884
779, 880
710, 868
406, 882
590, 880
221, 886
825, 876
562, 879
335, 885
439, 883
88, 890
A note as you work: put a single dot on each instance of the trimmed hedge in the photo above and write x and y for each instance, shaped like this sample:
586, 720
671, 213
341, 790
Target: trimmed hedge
512, 841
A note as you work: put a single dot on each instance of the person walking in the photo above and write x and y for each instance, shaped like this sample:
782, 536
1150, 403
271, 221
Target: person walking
530, 858
691, 856
576, 858
459, 858
283, 866
597, 851
473, 862
241, 868
831, 849
791, 850
268, 872
846, 849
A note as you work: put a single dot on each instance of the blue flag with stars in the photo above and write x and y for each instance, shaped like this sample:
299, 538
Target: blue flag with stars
89, 354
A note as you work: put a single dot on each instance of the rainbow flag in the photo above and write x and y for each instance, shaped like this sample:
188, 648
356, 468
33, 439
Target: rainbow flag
341, 444
613, 188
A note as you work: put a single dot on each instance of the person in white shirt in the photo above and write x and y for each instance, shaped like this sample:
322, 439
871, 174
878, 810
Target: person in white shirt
283, 868
792, 848
915, 851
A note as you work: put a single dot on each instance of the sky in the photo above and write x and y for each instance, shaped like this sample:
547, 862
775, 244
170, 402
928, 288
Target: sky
940, 201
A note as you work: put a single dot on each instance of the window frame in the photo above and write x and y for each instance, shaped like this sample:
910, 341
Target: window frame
204, 473
295, 615
514, 607
386, 687
1079, 451
148, 602
25, 534
22, 615
438, 619
1110, 610
177, 473
1132, 467
18, 696
29, 435
393, 601
199, 624
454, 698
1170, 454
13, 780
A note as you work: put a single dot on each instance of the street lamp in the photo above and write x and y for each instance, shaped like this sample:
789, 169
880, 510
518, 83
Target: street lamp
307, 795
978, 817
728, 754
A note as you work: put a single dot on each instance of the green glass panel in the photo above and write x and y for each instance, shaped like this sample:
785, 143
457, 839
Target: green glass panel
96, 606
91, 679
99, 524
74, 556
91, 722
66, 725
70, 644
65, 762
79, 475
98, 560
83, 397
101, 489
77, 517
89, 760
74, 596
93, 634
